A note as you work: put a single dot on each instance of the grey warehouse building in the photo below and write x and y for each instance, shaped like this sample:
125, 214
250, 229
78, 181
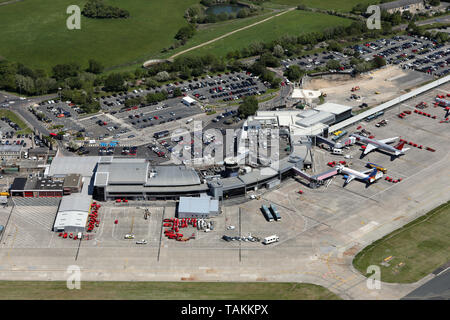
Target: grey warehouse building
117, 178
201, 207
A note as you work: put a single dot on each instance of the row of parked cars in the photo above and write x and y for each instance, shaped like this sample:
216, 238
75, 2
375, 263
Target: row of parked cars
13, 142
224, 115
12, 124
129, 151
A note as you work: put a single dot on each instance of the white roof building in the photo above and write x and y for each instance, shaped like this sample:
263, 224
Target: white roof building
333, 108
298, 93
73, 211
188, 101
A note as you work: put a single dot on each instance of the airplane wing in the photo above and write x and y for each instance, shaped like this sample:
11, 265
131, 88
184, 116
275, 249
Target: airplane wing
369, 148
388, 140
349, 179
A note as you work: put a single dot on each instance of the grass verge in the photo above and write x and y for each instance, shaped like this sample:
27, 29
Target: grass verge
57, 290
411, 252
16, 119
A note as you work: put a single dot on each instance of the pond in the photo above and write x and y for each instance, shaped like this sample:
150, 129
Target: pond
227, 8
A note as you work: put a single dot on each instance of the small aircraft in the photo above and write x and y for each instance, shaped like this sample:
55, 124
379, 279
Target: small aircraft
368, 176
373, 144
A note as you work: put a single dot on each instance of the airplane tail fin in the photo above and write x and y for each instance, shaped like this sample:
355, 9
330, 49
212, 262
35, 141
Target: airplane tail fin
373, 173
400, 146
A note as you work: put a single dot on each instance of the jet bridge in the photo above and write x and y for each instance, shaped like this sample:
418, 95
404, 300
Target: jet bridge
316, 180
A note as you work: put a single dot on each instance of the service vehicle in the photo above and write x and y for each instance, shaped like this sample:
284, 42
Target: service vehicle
271, 239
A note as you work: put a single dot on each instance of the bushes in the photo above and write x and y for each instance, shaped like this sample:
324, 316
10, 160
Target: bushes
294, 73
248, 107
185, 33
157, 96
375, 63
115, 82
82, 98
95, 67
98, 9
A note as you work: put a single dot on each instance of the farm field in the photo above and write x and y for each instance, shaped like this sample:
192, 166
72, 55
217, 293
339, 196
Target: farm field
38, 37
212, 31
413, 251
294, 23
57, 290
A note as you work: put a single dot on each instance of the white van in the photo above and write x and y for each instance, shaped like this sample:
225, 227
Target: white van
337, 151
271, 239
189, 121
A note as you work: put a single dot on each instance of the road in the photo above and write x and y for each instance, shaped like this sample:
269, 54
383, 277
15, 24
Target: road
20, 106
442, 19
437, 288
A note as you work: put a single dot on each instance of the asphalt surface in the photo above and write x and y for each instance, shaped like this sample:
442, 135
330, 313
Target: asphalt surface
437, 288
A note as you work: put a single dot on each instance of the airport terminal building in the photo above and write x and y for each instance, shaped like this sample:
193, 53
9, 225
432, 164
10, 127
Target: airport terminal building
117, 178
136, 179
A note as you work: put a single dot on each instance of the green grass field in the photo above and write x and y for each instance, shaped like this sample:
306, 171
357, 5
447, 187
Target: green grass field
16, 119
295, 22
215, 30
49, 290
34, 32
422, 246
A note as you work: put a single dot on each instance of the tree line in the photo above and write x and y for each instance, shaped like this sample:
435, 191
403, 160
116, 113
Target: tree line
100, 10
81, 85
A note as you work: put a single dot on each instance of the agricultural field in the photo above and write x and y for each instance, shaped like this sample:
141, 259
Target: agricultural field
295, 22
411, 252
38, 37
212, 31
57, 290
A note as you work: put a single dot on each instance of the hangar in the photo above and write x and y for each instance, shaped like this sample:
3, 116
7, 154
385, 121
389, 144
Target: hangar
73, 211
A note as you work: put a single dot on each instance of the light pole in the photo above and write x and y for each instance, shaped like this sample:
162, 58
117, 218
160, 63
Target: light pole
59, 92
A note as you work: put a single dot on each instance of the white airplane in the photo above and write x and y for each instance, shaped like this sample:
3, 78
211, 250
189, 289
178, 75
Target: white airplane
367, 176
373, 144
